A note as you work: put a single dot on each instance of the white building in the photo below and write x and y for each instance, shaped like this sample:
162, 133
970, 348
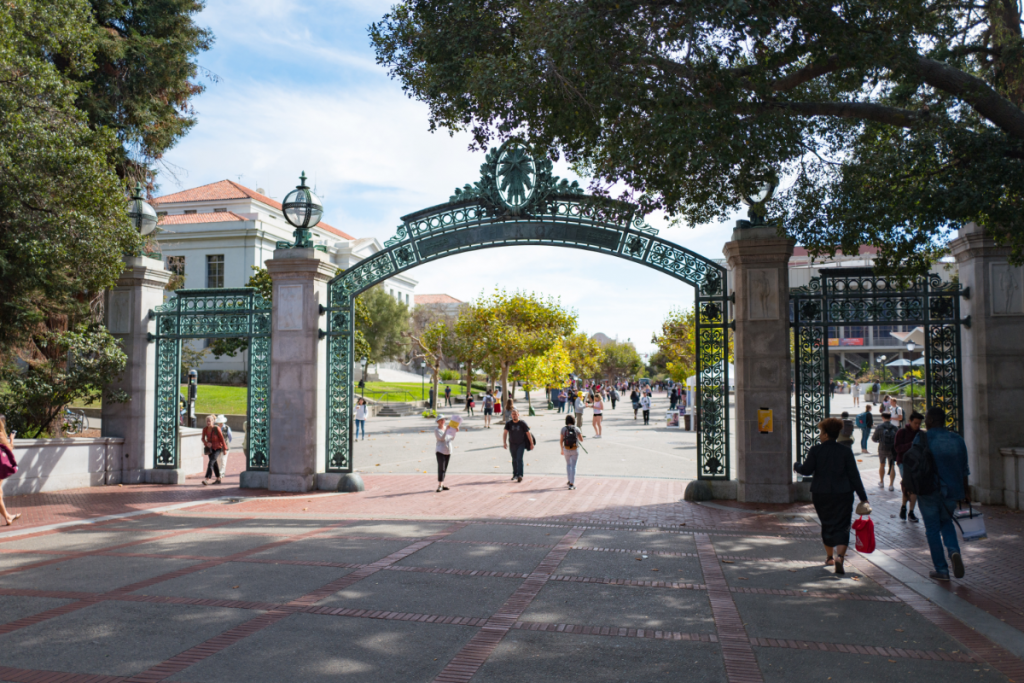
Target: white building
214, 234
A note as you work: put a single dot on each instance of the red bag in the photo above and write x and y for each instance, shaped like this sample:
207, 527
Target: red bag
865, 530
8, 465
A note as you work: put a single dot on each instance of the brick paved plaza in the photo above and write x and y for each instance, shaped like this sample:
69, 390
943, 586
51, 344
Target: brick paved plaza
491, 581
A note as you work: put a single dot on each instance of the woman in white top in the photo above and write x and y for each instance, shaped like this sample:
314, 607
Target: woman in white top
443, 450
598, 407
360, 417
645, 405
581, 404
856, 391
569, 440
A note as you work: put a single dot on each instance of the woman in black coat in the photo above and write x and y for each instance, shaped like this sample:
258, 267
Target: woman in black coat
836, 479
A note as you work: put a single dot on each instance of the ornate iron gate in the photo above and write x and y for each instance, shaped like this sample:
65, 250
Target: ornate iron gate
518, 201
856, 296
212, 313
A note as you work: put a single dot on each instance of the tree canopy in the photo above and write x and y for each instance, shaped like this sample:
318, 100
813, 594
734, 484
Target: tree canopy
620, 360
382, 322
897, 121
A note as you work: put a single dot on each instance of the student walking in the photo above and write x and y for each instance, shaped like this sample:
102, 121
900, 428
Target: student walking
598, 418
488, 409
470, 403
846, 436
360, 418
569, 440
581, 405
634, 397
865, 421
613, 396
939, 482
8, 466
444, 435
214, 445
514, 439
885, 437
645, 404
561, 400
447, 395
895, 412
835, 480
904, 440
856, 391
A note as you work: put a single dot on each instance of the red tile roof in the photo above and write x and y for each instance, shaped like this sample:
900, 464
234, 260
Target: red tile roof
189, 218
436, 299
229, 189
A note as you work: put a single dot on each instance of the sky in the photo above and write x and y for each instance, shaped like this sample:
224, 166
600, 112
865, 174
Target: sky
297, 88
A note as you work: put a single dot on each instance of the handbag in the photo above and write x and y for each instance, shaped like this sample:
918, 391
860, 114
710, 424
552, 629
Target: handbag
971, 523
865, 530
8, 465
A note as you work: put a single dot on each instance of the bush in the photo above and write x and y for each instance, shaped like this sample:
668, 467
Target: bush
450, 376
430, 413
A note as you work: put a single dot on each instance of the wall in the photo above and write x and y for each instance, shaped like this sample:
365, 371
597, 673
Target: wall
57, 464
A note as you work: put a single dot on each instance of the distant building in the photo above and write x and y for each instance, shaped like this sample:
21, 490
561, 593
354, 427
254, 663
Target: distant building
213, 235
441, 302
602, 338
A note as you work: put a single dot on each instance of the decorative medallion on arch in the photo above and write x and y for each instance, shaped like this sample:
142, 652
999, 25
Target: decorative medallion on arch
519, 201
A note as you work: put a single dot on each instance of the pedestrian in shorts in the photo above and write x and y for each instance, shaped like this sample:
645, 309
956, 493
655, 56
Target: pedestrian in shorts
569, 440
885, 437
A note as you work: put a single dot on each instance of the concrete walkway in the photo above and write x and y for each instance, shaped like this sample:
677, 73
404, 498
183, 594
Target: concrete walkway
490, 581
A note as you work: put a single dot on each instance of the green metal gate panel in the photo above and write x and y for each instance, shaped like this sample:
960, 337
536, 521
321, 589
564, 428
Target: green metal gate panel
204, 314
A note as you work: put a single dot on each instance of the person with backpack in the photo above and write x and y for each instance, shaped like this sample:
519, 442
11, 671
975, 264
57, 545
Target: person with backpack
936, 471
645, 405
865, 421
613, 396
846, 436
885, 437
895, 412
904, 440
634, 397
569, 440
488, 408
876, 390
515, 438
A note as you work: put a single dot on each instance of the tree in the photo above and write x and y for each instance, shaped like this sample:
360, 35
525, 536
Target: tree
431, 350
261, 281
585, 353
513, 326
547, 370
465, 346
620, 360
383, 323
897, 121
677, 343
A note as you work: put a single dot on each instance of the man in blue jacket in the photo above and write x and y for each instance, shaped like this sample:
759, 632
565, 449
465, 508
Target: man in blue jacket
950, 456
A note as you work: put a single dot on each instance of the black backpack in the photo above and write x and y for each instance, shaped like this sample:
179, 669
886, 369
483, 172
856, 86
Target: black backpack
919, 468
888, 436
570, 437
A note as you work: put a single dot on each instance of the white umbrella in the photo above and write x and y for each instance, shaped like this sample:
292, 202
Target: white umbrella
901, 363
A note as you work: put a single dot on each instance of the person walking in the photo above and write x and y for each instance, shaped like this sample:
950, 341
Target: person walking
885, 437
634, 397
865, 421
488, 408
835, 480
8, 466
904, 440
569, 440
598, 417
514, 438
876, 391
948, 486
214, 444
895, 412
360, 417
222, 422
856, 391
673, 397
846, 436
645, 405
613, 396
470, 404
447, 395
581, 405
561, 400
444, 435
570, 396
832, 389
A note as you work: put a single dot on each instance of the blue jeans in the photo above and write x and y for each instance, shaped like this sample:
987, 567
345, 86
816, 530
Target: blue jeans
939, 529
864, 434
360, 427
561, 406
570, 464
517, 458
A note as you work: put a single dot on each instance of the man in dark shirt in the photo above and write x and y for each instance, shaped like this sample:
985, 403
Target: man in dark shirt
515, 438
865, 421
904, 440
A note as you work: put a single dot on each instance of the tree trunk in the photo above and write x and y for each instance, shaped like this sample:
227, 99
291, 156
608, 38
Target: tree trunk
469, 382
436, 371
505, 394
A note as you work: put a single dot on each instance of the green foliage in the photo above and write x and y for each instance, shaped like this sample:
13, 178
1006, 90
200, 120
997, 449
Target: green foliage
449, 375
383, 323
72, 366
677, 344
229, 346
586, 354
621, 360
550, 369
430, 413
897, 121
63, 227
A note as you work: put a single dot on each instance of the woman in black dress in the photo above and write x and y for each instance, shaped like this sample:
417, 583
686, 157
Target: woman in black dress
836, 479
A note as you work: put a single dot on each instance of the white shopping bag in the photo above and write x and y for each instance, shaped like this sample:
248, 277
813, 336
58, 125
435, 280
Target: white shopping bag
971, 523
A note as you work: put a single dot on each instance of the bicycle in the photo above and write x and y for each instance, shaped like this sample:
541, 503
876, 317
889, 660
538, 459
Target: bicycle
75, 422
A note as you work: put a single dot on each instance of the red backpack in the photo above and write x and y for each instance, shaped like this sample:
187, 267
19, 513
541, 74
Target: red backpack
865, 530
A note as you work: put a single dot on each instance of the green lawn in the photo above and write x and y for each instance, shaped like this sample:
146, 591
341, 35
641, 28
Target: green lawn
211, 398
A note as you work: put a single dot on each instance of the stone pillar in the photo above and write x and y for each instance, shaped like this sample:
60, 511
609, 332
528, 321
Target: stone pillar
759, 261
993, 361
139, 290
298, 370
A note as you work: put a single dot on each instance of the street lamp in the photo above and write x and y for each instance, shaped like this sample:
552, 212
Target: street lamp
303, 210
910, 347
142, 215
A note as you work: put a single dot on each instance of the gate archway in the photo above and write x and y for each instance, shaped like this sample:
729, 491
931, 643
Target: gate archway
518, 201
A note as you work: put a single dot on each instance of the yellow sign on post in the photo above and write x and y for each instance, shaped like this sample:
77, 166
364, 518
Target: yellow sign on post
764, 420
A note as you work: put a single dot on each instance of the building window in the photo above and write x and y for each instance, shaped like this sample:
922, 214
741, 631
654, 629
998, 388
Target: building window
406, 299
215, 271
220, 210
161, 214
188, 211
176, 264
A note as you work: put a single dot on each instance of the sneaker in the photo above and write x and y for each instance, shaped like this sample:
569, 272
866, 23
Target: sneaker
881, 484
903, 512
513, 477
912, 517
572, 487
206, 482
938, 576
217, 480
519, 480
444, 488
958, 565
891, 488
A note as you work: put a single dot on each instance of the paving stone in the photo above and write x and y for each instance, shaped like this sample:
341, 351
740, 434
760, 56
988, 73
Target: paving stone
598, 564
92, 574
830, 620
115, 638
204, 544
14, 607
485, 557
77, 541
322, 548
158, 522
398, 529
312, 648
769, 546
589, 604
278, 526
510, 533
782, 665
638, 540
538, 656
12, 561
799, 577
420, 593
275, 583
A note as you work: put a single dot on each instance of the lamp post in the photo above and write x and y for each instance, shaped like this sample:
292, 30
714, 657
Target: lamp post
910, 347
881, 363
142, 215
303, 210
